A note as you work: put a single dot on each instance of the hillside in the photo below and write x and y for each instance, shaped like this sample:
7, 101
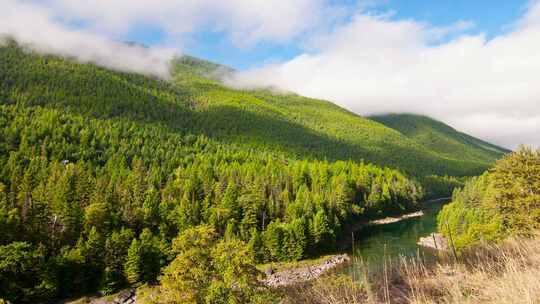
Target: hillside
100, 171
315, 128
440, 137
190, 103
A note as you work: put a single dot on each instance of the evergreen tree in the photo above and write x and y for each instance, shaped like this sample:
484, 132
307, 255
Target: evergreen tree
132, 266
503, 202
321, 231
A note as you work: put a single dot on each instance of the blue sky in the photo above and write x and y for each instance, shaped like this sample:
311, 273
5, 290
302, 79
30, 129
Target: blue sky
489, 17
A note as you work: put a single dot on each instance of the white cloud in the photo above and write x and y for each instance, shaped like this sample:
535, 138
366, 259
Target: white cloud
374, 64
36, 28
245, 21
88, 30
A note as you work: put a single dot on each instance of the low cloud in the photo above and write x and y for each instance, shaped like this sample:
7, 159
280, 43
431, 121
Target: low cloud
37, 29
89, 31
375, 64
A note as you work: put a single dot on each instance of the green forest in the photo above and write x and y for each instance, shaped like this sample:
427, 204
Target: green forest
109, 179
503, 202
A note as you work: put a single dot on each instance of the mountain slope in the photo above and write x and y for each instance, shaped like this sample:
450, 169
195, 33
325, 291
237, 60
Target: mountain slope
192, 103
322, 129
440, 137
100, 171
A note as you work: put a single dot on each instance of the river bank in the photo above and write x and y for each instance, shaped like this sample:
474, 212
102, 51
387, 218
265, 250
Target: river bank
434, 241
422, 222
502, 274
294, 276
347, 243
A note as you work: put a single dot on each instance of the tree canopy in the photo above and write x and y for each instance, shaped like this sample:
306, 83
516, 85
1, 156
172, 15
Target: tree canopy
503, 202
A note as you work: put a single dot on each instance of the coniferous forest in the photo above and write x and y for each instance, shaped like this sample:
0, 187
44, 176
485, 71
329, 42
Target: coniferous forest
503, 202
109, 179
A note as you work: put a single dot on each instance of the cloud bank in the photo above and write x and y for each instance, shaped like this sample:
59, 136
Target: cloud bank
38, 29
374, 64
90, 31
244, 21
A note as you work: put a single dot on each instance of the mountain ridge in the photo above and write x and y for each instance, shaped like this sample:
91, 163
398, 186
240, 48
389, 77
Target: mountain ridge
194, 101
439, 136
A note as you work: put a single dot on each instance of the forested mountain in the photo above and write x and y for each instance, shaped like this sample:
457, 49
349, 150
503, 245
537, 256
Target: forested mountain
441, 138
320, 129
191, 103
100, 171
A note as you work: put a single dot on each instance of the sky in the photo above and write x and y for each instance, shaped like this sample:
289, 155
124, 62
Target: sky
471, 64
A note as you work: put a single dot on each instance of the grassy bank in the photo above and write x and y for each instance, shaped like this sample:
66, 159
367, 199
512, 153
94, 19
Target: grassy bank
507, 273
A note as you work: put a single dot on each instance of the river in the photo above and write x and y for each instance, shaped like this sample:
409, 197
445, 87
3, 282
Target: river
375, 244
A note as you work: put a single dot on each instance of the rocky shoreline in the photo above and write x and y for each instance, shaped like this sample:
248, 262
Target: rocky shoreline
390, 220
294, 276
434, 241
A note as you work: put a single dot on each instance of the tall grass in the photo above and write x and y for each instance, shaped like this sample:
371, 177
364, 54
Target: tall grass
506, 273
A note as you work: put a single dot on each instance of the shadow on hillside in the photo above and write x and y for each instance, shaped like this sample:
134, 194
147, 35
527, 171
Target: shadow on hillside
90, 91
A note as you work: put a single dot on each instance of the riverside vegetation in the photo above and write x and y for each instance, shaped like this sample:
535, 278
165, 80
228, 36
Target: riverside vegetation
493, 224
110, 179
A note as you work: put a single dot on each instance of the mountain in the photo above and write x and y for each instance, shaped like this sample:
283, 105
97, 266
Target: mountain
189, 65
320, 129
441, 138
101, 170
195, 102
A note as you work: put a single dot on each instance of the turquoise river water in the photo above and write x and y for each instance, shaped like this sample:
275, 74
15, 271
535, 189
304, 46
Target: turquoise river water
376, 244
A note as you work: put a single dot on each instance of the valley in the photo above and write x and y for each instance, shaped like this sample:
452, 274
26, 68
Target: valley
107, 177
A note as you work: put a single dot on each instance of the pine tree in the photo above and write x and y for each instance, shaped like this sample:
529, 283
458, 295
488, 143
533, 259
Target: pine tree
321, 231
230, 231
256, 246
273, 240
132, 266
151, 255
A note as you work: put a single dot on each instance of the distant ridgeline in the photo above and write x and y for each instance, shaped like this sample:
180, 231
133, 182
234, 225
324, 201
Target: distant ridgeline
96, 163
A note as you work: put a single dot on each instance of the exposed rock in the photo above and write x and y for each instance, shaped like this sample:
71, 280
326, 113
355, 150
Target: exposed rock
435, 241
390, 220
298, 275
126, 296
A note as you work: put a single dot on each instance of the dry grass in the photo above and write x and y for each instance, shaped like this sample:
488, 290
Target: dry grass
328, 290
509, 273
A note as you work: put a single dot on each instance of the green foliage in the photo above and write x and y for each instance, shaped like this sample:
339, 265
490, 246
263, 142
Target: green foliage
504, 201
132, 266
207, 270
516, 194
441, 186
467, 220
441, 138
24, 273
321, 229
100, 171
117, 247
